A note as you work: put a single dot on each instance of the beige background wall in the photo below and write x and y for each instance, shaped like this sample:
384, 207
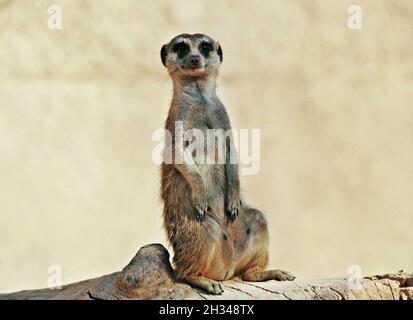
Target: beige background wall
78, 107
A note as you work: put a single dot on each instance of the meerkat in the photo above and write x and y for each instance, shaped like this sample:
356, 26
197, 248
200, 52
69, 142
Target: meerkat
215, 236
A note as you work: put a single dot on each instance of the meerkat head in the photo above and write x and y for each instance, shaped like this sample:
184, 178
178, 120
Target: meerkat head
192, 55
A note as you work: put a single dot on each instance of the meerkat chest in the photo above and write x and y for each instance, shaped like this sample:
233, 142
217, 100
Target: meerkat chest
205, 115
204, 135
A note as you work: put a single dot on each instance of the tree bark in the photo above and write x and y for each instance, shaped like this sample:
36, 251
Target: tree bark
150, 276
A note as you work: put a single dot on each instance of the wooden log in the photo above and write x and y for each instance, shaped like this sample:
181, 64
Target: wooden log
150, 276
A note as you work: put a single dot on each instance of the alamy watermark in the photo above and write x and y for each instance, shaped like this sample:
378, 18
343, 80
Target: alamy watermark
210, 146
354, 277
54, 280
355, 20
55, 19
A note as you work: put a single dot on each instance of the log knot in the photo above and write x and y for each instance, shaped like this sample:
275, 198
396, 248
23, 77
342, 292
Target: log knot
149, 275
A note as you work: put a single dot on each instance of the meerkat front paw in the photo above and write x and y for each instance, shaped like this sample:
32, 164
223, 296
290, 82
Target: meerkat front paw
233, 207
200, 213
200, 204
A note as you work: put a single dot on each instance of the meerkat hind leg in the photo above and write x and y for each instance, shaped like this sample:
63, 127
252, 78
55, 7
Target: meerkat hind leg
252, 240
209, 285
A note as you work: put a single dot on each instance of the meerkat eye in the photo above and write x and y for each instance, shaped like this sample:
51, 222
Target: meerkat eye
205, 48
181, 49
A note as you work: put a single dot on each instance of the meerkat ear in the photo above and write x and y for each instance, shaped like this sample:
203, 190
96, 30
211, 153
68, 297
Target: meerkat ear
164, 53
219, 51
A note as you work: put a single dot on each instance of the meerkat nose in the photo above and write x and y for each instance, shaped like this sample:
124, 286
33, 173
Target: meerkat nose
195, 60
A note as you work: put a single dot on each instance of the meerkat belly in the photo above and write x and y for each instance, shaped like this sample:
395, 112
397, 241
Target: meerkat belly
216, 185
212, 168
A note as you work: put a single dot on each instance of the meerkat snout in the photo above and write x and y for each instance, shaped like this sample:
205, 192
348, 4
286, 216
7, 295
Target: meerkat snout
195, 61
194, 55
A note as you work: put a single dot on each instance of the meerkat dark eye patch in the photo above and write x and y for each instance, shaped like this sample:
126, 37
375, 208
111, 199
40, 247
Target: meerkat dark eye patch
205, 48
181, 49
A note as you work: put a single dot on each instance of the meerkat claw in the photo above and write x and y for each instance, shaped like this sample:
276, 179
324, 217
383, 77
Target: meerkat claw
218, 288
289, 276
233, 209
214, 288
233, 215
200, 216
284, 275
